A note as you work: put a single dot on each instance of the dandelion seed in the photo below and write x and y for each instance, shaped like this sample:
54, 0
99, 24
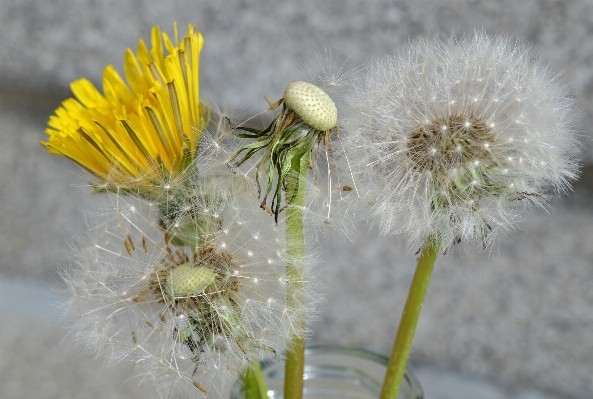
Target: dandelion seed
328, 71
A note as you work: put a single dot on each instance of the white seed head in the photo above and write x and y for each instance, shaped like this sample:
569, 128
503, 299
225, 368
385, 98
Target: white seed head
462, 92
312, 105
178, 310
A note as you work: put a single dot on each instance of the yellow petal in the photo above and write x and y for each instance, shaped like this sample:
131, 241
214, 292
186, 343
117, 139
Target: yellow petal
139, 125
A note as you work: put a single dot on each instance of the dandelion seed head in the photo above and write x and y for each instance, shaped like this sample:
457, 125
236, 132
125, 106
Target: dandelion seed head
328, 176
183, 314
471, 123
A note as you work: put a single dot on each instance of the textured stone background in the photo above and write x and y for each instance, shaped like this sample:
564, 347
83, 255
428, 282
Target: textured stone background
518, 317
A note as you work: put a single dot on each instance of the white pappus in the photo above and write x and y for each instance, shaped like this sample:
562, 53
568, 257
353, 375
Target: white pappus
460, 135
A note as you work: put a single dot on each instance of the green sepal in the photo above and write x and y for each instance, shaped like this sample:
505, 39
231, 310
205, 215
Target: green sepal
281, 145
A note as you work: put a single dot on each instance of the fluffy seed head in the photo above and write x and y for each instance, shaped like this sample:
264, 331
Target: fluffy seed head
312, 104
460, 134
189, 305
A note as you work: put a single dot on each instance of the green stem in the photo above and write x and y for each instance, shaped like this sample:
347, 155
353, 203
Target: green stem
409, 320
295, 248
254, 384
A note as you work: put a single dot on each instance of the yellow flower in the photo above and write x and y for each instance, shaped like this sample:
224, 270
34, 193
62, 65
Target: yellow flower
141, 134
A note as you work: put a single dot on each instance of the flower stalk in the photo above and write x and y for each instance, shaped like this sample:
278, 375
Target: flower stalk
407, 326
307, 118
254, 384
295, 249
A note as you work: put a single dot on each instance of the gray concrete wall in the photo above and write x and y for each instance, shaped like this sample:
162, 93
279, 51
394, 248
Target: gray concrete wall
251, 47
518, 317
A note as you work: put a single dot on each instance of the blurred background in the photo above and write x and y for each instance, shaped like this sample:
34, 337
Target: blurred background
514, 322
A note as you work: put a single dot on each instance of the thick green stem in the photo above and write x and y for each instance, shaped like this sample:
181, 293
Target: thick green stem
254, 384
295, 248
409, 320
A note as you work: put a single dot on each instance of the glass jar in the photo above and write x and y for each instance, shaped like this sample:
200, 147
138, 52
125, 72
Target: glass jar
336, 372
